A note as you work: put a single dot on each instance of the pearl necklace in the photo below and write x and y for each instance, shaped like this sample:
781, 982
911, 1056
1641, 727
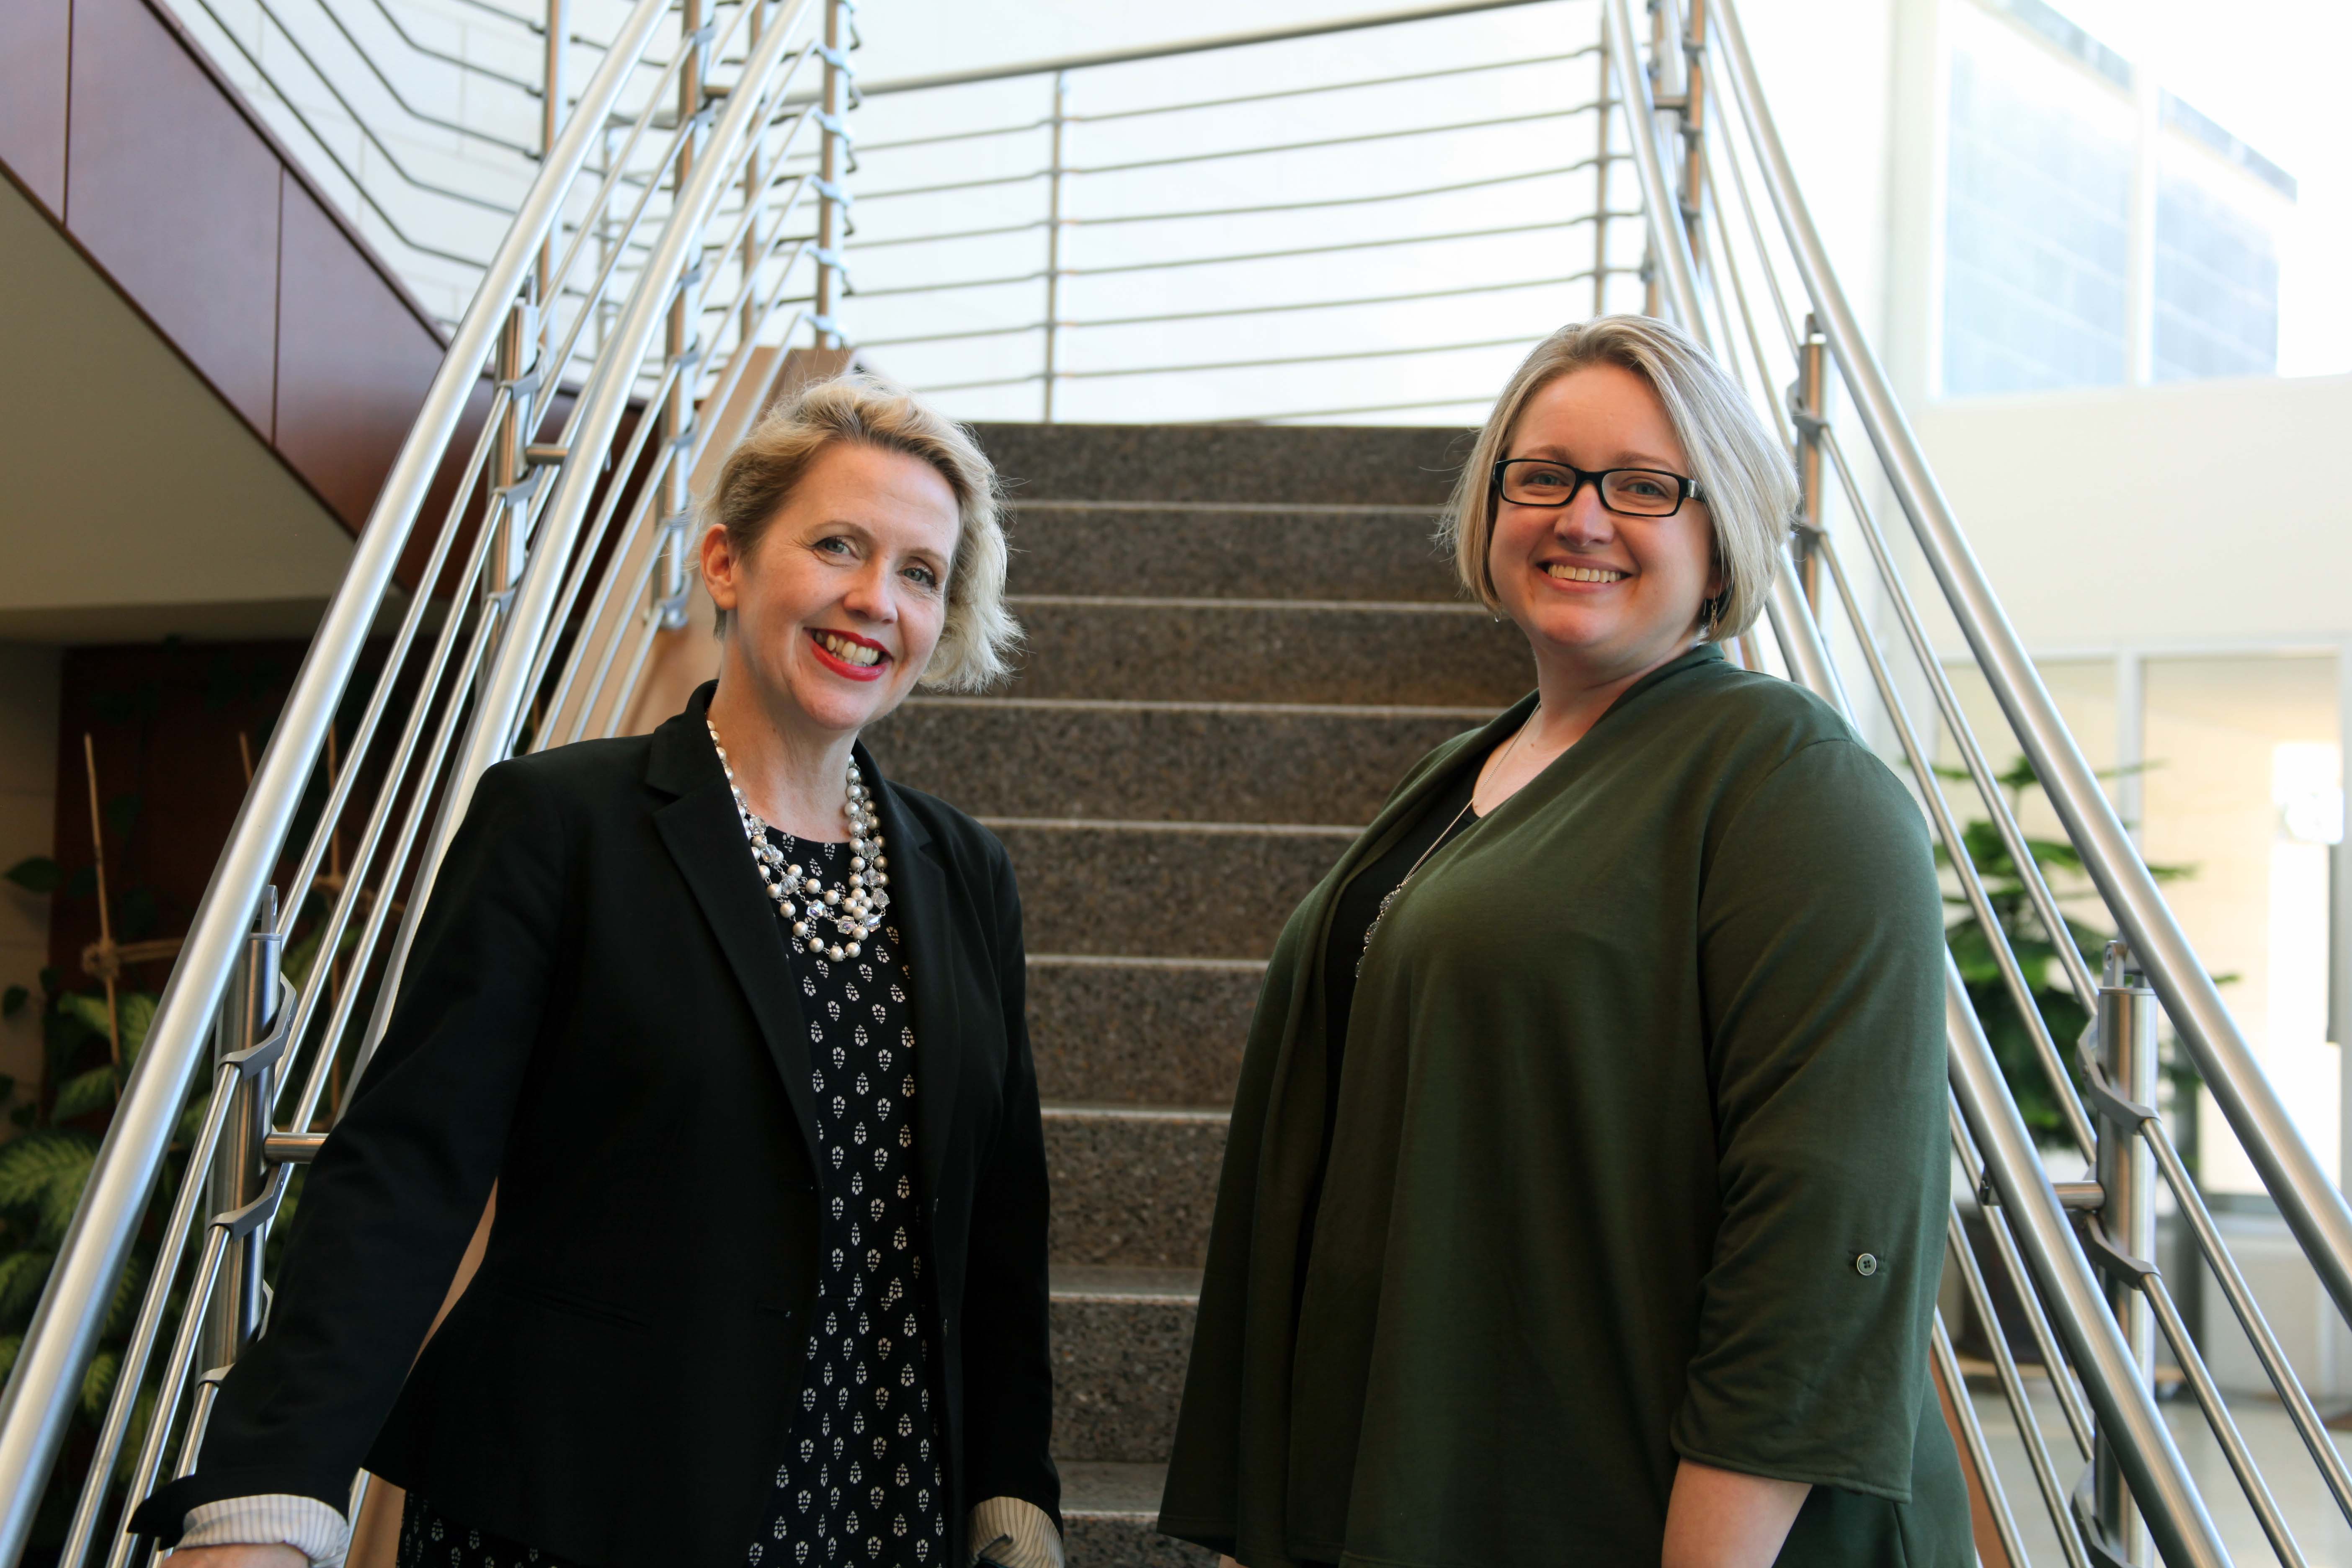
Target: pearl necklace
854, 906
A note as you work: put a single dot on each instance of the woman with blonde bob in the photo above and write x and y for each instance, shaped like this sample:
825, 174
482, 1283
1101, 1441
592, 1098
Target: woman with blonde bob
1586, 1191
737, 1027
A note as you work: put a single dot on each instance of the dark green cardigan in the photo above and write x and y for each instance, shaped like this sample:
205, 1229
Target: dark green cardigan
1640, 1152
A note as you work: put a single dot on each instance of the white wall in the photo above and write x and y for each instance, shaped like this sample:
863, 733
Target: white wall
29, 774
2194, 512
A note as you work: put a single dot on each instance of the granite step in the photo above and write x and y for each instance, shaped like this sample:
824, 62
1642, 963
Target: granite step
1139, 1031
1265, 651
1160, 761
1211, 552
1353, 464
1156, 889
1133, 1186
1122, 1338
1108, 1519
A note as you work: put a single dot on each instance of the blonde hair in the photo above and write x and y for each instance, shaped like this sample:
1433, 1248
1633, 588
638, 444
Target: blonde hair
1747, 482
979, 635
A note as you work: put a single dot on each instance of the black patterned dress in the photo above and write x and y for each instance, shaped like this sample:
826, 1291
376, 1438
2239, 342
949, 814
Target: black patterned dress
860, 1479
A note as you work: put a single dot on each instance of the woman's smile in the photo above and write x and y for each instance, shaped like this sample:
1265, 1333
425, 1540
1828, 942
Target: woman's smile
1574, 575
847, 654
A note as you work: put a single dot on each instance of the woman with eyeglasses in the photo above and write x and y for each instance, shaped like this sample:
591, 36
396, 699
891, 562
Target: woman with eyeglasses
1586, 1191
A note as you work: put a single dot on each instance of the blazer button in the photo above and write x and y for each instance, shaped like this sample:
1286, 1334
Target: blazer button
1866, 1265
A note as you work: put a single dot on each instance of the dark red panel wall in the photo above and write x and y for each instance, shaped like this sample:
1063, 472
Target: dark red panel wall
158, 170
352, 367
170, 189
35, 51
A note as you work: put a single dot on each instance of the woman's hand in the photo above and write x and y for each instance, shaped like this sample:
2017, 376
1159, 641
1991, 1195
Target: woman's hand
237, 1557
1722, 1519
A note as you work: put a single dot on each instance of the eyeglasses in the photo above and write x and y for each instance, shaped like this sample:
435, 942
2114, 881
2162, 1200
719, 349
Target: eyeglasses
1636, 493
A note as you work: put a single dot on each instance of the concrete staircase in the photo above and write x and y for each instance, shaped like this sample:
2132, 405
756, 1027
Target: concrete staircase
1239, 638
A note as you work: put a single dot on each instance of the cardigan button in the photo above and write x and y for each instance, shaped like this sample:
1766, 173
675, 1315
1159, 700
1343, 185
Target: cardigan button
1866, 1265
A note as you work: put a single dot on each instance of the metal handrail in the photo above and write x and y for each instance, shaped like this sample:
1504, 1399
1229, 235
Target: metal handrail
2310, 1203
427, 772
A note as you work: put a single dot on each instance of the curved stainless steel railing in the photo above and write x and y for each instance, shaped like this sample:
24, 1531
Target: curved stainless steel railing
693, 218
2075, 1254
668, 282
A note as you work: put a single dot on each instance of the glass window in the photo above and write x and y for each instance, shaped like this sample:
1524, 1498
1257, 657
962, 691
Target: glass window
2217, 286
2243, 794
2037, 223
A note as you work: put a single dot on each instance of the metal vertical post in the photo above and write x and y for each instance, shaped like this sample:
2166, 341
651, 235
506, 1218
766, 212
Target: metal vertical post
1601, 189
2126, 1172
1693, 118
1662, 94
755, 180
247, 1008
1807, 401
550, 123
678, 343
1053, 241
830, 170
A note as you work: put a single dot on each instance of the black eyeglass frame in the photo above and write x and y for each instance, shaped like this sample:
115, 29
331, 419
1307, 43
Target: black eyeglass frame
1685, 490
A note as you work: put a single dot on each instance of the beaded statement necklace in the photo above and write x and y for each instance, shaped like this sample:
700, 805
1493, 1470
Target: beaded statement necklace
854, 906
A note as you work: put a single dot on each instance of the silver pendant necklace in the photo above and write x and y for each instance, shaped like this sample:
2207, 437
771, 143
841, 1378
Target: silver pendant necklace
1381, 913
854, 906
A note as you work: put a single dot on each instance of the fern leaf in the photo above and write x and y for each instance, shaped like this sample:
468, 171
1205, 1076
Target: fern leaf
22, 1274
138, 1011
28, 1164
9, 1345
58, 1203
83, 1093
130, 1289
98, 1383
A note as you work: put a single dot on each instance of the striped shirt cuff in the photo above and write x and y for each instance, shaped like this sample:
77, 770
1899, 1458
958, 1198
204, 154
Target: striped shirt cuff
1013, 1533
278, 1518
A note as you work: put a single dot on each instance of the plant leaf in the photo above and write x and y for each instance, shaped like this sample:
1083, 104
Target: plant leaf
9, 1345
89, 1011
138, 1010
30, 1164
86, 1092
13, 1000
22, 1274
130, 1289
37, 874
98, 1383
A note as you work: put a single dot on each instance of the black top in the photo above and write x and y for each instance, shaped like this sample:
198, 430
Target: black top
859, 1478
599, 1016
1353, 916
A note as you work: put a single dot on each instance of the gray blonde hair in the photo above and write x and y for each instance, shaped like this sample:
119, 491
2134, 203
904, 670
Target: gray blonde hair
1747, 482
979, 635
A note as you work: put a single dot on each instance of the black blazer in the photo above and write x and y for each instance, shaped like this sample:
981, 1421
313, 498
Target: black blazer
597, 1014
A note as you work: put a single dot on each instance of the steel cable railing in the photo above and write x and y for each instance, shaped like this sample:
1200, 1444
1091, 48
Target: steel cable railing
2093, 1306
418, 709
552, 573
1016, 290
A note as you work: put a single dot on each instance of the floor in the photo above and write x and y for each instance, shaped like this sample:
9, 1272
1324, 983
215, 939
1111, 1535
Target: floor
2318, 1527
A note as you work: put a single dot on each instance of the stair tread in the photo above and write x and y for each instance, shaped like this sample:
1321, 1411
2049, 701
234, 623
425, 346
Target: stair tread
1110, 1282
1113, 1110
1100, 1486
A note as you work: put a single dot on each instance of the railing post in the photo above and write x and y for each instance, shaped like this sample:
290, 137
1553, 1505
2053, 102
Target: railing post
680, 343
246, 1009
511, 481
1808, 400
1604, 97
2126, 1172
755, 180
1693, 118
1054, 242
832, 215
550, 124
